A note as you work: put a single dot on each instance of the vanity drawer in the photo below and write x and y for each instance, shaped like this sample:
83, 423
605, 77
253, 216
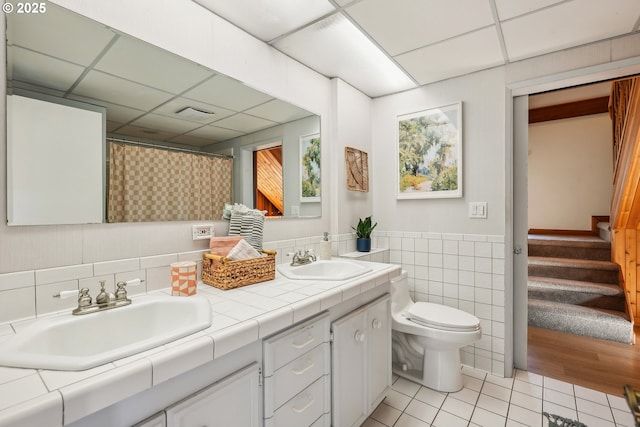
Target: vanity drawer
295, 376
294, 342
305, 408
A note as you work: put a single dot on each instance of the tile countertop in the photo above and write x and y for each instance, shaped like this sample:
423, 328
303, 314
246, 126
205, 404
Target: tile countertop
240, 317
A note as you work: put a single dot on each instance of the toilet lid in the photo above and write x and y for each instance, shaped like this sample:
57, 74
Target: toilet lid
442, 317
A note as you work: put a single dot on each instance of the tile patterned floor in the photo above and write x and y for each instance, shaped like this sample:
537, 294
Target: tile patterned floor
491, 401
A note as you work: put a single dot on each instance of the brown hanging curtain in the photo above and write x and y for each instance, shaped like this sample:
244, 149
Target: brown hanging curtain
149, 184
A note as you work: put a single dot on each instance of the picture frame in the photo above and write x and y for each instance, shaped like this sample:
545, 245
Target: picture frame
429, 153
310, 183
357, 169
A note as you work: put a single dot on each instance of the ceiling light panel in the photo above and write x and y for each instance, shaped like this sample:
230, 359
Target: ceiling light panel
403, 25
336, 48
268, 19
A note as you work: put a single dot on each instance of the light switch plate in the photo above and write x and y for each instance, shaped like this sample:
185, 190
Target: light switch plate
477, 209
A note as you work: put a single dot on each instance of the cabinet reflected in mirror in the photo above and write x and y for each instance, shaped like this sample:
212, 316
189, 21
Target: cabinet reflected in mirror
65, 55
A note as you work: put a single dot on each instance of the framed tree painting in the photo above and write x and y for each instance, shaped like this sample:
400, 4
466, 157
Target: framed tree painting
310, 168
429, 149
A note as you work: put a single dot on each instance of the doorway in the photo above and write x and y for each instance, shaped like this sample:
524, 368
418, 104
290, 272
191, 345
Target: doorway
519, 201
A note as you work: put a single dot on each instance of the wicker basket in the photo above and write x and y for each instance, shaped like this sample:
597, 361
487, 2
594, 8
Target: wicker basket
224, 274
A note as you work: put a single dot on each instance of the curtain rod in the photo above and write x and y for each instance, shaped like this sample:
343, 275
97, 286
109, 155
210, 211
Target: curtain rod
168, 148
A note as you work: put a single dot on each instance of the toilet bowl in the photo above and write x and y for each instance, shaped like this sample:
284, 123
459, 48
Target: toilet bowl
427, 339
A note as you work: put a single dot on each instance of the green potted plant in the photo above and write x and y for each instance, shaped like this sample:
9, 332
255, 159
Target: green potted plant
363, 234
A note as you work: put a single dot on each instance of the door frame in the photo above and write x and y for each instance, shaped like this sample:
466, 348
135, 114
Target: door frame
516, 222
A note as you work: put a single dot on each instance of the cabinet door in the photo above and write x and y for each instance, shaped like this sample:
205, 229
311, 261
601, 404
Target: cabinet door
232, 401
379, 340
348, 403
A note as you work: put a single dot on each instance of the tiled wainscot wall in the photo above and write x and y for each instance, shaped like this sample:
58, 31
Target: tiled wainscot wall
458, 270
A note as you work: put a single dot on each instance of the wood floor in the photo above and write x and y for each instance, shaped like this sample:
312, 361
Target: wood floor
597, 364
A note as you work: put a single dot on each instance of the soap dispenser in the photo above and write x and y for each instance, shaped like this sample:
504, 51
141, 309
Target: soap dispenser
324, 251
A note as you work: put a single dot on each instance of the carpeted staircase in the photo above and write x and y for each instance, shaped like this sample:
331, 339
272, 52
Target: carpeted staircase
574, 287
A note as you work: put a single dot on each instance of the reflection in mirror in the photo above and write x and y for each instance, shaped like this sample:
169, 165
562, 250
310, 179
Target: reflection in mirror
267, 170
68, 56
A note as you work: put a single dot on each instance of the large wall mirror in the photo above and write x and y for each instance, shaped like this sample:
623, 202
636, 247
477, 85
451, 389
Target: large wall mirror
154, 98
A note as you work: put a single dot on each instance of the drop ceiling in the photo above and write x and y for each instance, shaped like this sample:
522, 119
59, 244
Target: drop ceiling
423, 41
378, 46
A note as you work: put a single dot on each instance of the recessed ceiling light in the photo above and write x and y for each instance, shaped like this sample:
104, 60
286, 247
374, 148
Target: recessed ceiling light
191, 113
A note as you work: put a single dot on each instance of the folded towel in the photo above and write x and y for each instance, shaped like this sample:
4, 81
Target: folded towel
222, 245
242, 250
249, 225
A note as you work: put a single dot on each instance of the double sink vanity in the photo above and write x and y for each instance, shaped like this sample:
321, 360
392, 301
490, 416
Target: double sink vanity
311, 347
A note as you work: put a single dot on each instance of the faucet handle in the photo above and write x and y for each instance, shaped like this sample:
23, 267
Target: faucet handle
66, 294
121, 291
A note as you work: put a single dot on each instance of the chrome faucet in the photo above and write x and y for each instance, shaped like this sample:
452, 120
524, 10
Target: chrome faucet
300, 258
104, 301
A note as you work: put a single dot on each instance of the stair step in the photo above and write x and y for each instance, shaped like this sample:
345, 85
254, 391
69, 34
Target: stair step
576, 319
581, 247
574, 269
590, 294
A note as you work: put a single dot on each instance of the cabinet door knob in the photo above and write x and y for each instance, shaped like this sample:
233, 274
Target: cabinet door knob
376, 324
359, 336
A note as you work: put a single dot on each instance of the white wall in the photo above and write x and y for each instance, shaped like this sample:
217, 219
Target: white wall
352, 128
483, 138
570, 172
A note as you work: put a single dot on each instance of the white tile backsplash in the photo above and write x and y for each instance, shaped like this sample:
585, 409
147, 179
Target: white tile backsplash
459, 270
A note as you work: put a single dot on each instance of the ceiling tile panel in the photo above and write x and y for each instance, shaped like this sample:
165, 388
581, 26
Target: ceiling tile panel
26, 66
221, 90
278, 111
99, 85
268, 19
508, 9
454, 57
61, 31
568, 24
244, 123
215, 133
164, 123
139, 62
400, 26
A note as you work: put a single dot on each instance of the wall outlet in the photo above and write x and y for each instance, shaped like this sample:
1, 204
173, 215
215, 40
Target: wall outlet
202, 231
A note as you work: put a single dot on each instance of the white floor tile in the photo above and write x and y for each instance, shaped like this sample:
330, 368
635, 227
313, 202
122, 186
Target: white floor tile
445, 419
422, 411
482, 417
489, 401
406, 420
386, 414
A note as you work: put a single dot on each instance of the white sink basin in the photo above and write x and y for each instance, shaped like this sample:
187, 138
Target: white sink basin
74, 343
335, 269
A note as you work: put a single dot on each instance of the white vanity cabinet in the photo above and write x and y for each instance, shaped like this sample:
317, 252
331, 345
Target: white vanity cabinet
232, 401
297, 375
158, 420
361, 362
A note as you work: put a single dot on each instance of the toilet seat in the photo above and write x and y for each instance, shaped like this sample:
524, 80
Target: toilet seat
442, 317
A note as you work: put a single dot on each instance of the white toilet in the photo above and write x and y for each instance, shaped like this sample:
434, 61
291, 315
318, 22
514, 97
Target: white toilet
427, 339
